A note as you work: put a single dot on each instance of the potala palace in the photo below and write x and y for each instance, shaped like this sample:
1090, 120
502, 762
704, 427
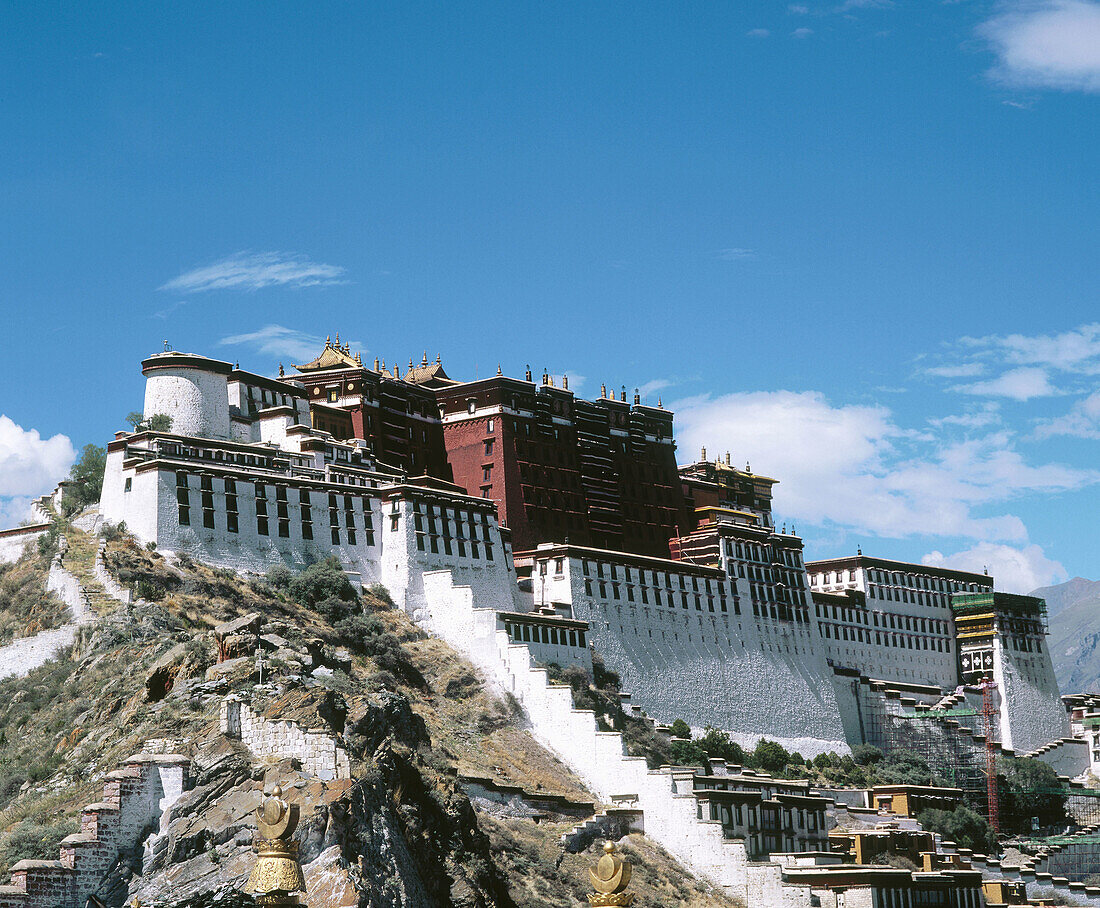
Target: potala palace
527, 526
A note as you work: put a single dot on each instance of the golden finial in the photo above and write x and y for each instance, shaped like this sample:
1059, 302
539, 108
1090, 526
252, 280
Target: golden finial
498, 369
424, 361
337, 339
277, 874
610, 877
328, 340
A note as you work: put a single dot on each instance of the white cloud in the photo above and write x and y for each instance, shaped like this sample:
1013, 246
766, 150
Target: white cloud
963, 370
254, 271
802, 33
1082, 421
1014, 570
655, 385
1017, 384
736, 254
30, 465
277, 340
988, 415
1049, 44
854, 467
1075, 351
15, 511
758, 33
798, 9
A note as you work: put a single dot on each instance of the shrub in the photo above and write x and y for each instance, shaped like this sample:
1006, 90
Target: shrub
280, 577
112, 532
382, 595
87, 478
963, 826
866, 754
335, 610
35, 841
320, 581
354, 629
680, 729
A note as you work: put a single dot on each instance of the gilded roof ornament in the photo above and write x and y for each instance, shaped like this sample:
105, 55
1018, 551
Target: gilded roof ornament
610, 877
277, 874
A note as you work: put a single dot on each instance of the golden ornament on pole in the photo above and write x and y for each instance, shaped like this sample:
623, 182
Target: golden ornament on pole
277, 874
610, 877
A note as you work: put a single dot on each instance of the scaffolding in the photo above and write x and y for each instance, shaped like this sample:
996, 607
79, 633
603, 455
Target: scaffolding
989, 716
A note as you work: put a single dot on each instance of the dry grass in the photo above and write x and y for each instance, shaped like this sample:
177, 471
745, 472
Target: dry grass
482, 734
540, 873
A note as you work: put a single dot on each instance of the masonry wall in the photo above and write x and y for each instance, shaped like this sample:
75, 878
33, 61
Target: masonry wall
13, 542
710, 667
318, 753
404, 562
151, 512
1032, 712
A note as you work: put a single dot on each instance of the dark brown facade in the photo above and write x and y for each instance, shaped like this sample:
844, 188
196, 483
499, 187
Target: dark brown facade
600, 473
399, 418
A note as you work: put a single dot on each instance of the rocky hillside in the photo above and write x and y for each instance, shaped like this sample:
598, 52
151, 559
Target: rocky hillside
416, 722
1073, 608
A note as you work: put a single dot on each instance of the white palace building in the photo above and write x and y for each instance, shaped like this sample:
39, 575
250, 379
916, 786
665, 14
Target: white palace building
735, 631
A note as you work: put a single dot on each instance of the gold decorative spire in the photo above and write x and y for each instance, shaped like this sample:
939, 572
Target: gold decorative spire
277, 874
610, 877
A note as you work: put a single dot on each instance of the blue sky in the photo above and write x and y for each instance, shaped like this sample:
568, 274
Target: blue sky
854, 243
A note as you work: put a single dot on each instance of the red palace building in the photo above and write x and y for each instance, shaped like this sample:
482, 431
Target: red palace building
599, 473
396, 414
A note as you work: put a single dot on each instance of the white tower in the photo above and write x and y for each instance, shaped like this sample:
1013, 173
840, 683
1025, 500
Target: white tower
192, 390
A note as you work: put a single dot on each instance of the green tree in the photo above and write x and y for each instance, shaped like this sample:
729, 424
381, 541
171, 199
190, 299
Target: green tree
687, 753
866, 754
87, 478
717, 743
680, 729
770, 756
159, 422
962, 826
1029, 789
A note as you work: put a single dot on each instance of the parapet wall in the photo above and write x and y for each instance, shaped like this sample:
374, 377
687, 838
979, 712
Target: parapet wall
318, 753
14, 541
136, 799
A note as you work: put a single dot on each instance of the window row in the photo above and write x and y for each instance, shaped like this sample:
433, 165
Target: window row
901, 641
521, 632
345, 514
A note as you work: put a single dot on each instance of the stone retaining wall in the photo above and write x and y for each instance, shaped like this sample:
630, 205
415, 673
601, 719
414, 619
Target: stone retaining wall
135, 798
319, 754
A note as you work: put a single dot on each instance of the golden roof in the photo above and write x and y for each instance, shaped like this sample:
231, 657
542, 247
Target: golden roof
333, 357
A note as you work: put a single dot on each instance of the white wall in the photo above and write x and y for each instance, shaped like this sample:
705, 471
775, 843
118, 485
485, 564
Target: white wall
196, 399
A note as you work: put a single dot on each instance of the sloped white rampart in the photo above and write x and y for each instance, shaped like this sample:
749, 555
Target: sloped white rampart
665, 796
26, 654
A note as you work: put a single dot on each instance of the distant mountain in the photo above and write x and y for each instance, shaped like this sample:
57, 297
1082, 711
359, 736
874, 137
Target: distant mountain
1073, 609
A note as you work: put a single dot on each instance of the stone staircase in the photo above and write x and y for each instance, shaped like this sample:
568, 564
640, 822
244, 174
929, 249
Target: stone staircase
83, 559
1069, 757
135, 798
666, 796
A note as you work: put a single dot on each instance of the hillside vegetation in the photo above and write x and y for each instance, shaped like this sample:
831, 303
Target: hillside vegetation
413, 715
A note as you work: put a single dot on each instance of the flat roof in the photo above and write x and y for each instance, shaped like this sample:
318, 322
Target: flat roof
867, 561
662, 564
